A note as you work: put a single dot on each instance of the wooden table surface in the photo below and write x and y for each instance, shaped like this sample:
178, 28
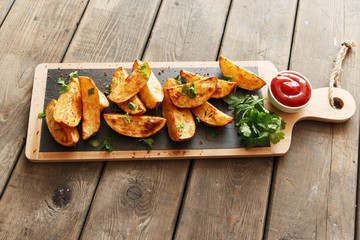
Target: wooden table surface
310, 193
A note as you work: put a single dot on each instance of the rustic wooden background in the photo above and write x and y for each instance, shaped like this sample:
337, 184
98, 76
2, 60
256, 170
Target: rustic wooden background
310, 193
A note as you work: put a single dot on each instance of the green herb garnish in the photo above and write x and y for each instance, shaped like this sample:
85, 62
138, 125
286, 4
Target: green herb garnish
94, 142
210, 115
107, 89
73, 75
228, 78
107, 143
64, 88
60, 81
127, 118
91, 91
189, 91
143, 70
180, 127
41, 115
147, 142
180, 80
131, 105
197, 119
257, 125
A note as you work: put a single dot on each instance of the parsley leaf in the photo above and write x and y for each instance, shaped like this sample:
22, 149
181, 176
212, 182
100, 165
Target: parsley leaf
64, 88
94, 142
147, 142
107, 143
60, 81
256, 125
180, 80
180, 127
131, 105
41, 115
228, 78
73, 75
127, 118
189, 91
91, 91
107, 89
197, 119
143, 70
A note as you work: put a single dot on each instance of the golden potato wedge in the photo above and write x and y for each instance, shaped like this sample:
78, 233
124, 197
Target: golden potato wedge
64, 135
104, 103
68, 107
131, 85
134, 126
211, 116
244, 78
139, 106
91, 107
223, 88
204, 89
180, 122
152, 93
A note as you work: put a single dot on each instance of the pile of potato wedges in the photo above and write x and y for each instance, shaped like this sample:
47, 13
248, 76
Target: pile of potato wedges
133, 93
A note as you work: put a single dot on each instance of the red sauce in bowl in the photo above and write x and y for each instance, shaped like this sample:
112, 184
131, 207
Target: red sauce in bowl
290, 89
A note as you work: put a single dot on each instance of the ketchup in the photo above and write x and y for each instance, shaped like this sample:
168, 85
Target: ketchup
290, 89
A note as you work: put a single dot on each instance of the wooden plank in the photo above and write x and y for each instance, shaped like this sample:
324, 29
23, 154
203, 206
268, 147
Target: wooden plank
227, 198
315, 185
41, 205
153, 219
5, 7
34, 32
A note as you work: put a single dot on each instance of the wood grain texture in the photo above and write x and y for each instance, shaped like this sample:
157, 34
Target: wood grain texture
42, 35
5, 7
134, 211
190, 33
227, 198
315, 185
137, 200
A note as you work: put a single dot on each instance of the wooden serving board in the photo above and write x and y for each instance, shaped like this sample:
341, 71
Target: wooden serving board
208, 142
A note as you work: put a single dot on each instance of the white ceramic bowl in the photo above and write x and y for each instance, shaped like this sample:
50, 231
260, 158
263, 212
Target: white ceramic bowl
281, 106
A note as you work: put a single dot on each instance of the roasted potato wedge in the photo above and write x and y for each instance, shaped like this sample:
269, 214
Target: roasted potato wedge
104, 103
223, 88
211, 116
244, 78
180, 122
152, 93
204, 89
139, 106
131, 85
68, 107
91, 107
134, 126
64, 135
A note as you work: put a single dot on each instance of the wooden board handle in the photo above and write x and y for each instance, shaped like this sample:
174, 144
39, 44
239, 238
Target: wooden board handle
319, 108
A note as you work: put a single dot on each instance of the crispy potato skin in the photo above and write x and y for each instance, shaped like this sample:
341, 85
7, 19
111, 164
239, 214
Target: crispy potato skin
244, 78
138, 127
223, 88
204, 88
152, 93
64, 135
176, 116
211, 116
139, 109
128, 87
104, 103
68, 107
91, 107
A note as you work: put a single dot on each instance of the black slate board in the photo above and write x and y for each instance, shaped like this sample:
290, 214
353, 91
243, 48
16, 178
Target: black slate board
205, 137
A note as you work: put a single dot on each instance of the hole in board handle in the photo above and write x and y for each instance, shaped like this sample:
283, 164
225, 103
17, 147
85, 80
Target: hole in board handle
338, 103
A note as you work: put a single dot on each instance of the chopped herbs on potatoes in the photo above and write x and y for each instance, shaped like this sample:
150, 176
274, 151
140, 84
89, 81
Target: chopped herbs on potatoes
91, 91
127, 118
257, 125
107, 89
73, 75
228, 78
189, 91
41, 115
143, 70
131, 105
148, 142
64, 88
180, 127
180, 80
